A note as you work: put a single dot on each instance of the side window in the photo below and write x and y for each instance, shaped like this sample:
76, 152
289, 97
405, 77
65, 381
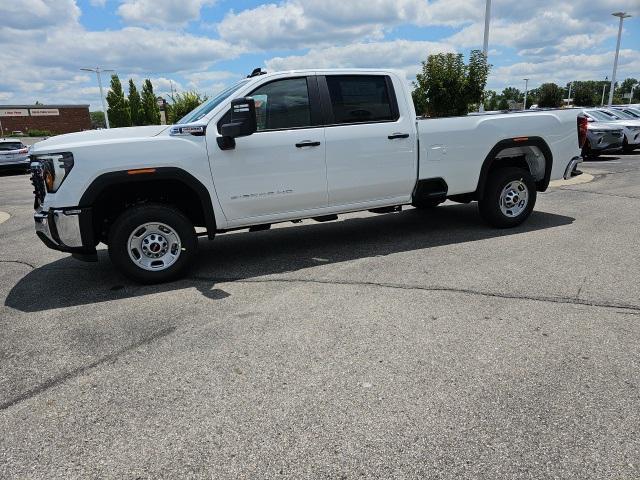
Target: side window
360, 98
283, 104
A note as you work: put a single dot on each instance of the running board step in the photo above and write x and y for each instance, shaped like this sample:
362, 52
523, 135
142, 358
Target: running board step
395, 208
325, 218
260, 228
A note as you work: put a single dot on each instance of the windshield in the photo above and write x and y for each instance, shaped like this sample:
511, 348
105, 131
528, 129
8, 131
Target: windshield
209, 105
633, 111
6, 146
621, 114
598, 115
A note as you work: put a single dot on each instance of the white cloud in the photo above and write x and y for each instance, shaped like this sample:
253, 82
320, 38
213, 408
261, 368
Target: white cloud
45, 63
37, 14
400, 54
306, 23
550, 31
162, 12
565, 68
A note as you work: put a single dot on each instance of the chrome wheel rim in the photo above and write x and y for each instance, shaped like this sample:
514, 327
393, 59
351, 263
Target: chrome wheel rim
514, 198
154, 246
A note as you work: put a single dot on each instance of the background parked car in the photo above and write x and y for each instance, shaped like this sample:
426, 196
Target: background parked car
602, 138
13, 154
630, 127
633, 111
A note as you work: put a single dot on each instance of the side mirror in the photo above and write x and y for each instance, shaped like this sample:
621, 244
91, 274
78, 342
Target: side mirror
243, 119
589, 119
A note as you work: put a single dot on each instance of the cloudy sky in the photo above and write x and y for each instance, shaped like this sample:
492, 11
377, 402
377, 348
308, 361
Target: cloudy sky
207, 44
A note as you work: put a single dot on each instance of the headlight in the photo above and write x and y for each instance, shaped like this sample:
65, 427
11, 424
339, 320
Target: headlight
55, 168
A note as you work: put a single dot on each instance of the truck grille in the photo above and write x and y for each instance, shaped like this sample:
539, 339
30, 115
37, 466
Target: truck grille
37, 180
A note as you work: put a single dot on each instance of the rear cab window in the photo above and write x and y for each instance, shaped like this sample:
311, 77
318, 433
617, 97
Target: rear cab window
361, 99
8, 146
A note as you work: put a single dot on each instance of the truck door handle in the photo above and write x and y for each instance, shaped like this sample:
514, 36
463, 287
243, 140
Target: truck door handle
393, 136
307, 143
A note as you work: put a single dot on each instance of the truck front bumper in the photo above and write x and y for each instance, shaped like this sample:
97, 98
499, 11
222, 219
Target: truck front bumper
67, 230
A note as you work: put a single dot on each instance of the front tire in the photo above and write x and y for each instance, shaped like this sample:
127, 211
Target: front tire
152, 243
626, 148
509, 197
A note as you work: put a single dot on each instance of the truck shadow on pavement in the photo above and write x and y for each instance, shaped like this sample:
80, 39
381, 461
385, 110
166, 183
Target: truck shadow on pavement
241, 255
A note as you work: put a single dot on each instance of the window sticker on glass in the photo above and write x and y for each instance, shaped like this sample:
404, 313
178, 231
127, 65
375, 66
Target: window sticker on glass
261, 110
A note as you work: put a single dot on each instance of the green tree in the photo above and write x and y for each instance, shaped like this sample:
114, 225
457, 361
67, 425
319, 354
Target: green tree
550, 96
490, 100
183, 103
512, 93
419, 101
135, 105
118, 110
503, 104
150, 105
97, 119
626, 86
447, 86
583, 94
533, 96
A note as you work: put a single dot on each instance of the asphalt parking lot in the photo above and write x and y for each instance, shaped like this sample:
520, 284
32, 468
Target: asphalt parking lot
408, 345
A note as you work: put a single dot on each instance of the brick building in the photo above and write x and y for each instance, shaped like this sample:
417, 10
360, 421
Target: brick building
53, 118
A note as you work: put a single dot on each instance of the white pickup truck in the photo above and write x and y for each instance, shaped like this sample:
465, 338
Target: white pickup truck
283, 147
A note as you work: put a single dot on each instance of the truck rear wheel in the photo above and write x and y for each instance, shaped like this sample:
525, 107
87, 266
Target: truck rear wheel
509, 197
152, 243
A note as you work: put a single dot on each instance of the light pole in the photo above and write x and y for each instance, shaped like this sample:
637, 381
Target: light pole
526, 91
485, 43
631, 94
99, 70
604, 87
621, 16
569, 97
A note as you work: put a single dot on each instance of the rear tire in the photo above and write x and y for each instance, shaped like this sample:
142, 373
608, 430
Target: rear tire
509, 197
152, 243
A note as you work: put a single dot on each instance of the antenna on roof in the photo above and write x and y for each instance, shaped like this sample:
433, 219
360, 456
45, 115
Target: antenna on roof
256, 72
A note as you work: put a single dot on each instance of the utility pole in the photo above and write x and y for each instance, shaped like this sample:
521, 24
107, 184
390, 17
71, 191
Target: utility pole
485, 44
621, 16
526, 91
604, 87
569, 97
98, 71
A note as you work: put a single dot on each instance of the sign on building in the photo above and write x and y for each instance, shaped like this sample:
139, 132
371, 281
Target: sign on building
14, 112
44, 112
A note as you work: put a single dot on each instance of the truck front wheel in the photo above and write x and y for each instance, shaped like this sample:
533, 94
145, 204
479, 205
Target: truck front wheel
152, 243
509, 197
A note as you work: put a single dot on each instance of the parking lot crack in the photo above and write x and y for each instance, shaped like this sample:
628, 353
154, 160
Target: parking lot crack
19, 262
55, 381
426, 288
567, 189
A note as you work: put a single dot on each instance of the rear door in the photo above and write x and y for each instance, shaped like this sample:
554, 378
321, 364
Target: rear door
370, 136
281, 168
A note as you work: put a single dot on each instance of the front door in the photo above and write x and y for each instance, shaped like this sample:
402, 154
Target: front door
281, 168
